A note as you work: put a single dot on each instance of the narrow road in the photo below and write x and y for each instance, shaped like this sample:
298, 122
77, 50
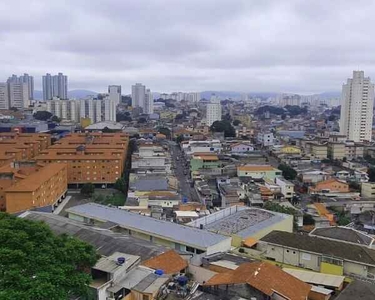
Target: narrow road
181, 167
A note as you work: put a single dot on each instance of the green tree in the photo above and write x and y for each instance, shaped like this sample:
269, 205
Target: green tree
308, 220
88, 189
179, 117
180, 139
295, 110
343, 219
142, 120
36, 264
332, 118
56, 119
120, 184
42, 115
223, 126
236, 122
371, 174
13, 108
272, 206
271, 109
288, 172
166, 131
123, 117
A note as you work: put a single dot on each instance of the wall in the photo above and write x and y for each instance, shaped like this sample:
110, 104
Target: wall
47, 193
75, 217
286, 255
223, 246
284, 225
200, 274
328, 268
350, 267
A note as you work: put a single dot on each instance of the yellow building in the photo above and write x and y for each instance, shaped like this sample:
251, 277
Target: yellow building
33, 187
85, 122
290, 150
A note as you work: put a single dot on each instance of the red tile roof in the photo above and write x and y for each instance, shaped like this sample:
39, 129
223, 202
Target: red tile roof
170, 262
265, 277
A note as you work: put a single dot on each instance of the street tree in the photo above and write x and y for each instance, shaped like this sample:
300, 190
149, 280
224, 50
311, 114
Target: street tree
42, 115
87, 189
37, 264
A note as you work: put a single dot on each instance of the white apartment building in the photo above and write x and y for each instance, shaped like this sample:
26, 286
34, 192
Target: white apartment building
110, 109
357, 103
287, 188
4, 96
114, 93
266, 139
149, 103
213, 111
179, 96
285, 100
25, 78
18, 94
138, 95
64, 109
55, 86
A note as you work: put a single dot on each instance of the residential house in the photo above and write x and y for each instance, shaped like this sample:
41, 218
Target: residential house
257, 172
313, 177
368, 190
258, 280
287, 188
290, 150
170, 262
204, 161
332, 185
241, 148
266, 139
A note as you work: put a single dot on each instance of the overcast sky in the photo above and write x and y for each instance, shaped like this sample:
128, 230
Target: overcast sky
190, 45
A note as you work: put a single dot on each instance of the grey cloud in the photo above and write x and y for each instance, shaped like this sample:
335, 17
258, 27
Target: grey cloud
244, 45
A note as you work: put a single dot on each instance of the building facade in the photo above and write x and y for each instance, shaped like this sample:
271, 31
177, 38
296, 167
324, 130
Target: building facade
25, 78
98, 158
55, 86
149, 103
4, 96
213, 111
138, 95
357, 108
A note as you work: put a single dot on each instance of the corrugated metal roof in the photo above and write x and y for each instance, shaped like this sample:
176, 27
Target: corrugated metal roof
316, 278
168, 230
105, 241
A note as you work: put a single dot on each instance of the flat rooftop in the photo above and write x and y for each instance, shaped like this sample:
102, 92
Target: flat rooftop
168, 230
242, 221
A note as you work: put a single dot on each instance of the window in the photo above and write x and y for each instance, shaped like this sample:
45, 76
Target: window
145, 297
190, 249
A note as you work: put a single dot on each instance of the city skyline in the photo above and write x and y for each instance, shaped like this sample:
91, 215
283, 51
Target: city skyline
241, 46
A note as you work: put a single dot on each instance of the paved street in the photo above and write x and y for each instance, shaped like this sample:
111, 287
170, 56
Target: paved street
180, 166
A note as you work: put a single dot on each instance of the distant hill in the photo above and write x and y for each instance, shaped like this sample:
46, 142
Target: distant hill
231, 94
38, 95
329, 95
81, 93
